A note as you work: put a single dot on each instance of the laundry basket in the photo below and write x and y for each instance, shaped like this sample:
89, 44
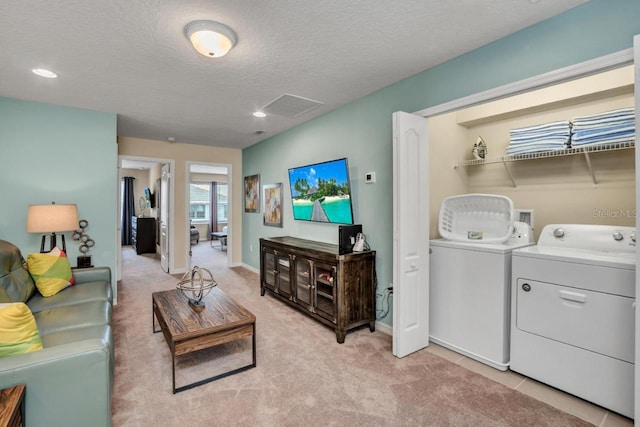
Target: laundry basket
478, 218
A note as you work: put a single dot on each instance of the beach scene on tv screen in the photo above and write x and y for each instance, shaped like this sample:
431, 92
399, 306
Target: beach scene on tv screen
321, 192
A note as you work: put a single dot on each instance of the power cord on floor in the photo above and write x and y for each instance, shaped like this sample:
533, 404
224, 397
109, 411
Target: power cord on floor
383, 311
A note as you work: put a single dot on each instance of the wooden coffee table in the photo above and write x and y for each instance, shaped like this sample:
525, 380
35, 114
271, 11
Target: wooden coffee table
187, 329
12, 406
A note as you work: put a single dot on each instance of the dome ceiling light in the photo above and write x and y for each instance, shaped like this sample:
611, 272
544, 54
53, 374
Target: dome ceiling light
44, 73
210, 39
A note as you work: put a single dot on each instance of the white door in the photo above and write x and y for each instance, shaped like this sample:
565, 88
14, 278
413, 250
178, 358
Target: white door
410, 234
636, 73
164, 217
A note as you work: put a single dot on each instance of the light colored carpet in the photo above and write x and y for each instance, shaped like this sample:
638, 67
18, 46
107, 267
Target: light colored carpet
303, 376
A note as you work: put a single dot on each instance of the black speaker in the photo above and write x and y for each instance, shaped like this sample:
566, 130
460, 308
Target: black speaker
347, 237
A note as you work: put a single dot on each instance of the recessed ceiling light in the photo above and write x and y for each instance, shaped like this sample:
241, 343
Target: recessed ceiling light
171, 139
259, 114
44, 73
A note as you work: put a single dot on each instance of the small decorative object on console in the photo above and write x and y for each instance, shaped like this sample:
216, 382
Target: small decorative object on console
86, 243
196, 284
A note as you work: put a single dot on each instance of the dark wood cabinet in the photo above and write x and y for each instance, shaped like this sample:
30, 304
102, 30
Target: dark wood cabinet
143, 235
335, 289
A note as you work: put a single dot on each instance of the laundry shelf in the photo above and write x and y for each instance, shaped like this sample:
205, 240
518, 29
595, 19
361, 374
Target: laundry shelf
585, 151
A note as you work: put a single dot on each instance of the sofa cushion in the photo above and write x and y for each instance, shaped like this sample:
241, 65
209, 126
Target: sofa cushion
94, 313
18, 330
51, 271
15, 281
79, 293
102, 332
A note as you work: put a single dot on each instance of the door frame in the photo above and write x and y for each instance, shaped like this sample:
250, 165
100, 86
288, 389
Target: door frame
172, 168
229, 202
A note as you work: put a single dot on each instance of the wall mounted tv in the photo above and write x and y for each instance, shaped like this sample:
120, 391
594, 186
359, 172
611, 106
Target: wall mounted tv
321, 192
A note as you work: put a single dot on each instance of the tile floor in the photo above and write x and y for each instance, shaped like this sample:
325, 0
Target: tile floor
565, 402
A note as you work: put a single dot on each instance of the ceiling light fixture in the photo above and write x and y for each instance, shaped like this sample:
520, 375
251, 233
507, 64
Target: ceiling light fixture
259, 114
44, 73
209, 38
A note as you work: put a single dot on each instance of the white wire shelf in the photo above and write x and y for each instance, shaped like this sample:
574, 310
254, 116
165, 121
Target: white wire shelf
585, 151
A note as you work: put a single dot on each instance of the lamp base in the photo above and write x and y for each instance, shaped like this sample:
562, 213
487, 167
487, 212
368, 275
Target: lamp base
53, 243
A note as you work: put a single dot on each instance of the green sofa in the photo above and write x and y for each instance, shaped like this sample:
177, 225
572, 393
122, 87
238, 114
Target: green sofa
69, 381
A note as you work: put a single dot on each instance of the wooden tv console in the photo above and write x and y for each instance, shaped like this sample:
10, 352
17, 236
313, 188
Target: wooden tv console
337, 290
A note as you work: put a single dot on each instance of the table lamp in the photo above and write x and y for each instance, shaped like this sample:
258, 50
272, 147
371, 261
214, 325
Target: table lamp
52, 219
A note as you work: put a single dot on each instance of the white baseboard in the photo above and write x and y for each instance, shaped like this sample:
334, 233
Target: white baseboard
250, 268
384, 328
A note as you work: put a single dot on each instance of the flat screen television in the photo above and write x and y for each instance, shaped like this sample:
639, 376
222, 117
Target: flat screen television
321, 192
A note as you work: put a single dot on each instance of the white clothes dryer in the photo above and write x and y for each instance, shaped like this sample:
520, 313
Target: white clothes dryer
470, 296
573, 312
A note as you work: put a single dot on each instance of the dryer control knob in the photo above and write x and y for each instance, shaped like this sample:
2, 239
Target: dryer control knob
633, 237
558, 232
617, 236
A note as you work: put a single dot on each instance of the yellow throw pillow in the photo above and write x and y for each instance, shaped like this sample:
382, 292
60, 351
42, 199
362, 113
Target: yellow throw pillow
18, 330
51, 271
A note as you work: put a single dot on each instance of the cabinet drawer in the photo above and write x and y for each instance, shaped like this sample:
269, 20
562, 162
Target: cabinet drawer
575, 316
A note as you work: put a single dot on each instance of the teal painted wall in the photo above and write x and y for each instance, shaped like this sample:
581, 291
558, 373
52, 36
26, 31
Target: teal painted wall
51, 153
362, 132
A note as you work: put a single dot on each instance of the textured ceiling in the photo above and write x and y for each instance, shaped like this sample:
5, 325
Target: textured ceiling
131, 57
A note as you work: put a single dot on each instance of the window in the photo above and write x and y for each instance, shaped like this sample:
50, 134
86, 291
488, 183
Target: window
200, 201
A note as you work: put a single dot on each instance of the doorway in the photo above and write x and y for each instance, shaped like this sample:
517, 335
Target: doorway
209, 202
152, 195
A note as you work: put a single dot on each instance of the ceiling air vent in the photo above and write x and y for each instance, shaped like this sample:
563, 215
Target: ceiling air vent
291, 106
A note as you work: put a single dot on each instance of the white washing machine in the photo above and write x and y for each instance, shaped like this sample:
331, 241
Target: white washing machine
470, 296
573, 312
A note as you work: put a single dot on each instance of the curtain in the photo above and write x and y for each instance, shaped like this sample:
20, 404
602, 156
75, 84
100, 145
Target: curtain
128, 208
214, 206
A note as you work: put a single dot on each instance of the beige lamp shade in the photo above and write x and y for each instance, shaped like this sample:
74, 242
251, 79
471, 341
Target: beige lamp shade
52, 218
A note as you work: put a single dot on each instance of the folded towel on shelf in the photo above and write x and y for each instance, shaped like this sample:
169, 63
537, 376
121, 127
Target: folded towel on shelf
604, 140
609, 127
544, 127
603, 123
540, 138
603, 132
620, 113
536, 147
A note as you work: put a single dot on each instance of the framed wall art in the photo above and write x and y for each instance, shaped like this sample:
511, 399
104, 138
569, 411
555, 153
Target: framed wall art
252, 193
273, 205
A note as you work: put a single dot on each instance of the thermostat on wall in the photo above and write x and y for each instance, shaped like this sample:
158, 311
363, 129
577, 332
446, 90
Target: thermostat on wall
370, 177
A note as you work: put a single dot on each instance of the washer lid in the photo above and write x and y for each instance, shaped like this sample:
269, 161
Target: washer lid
497, 248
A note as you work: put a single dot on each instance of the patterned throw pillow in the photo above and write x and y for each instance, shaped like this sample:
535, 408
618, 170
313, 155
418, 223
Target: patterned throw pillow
18, 330
51, 271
